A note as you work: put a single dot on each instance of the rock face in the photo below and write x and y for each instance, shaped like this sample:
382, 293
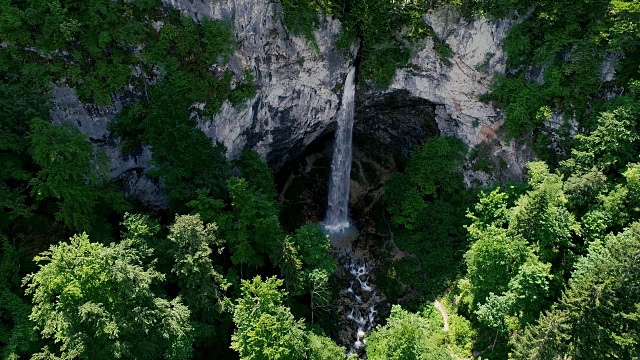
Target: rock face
295, 103
93, 121
296, 100
299, 88
455, 83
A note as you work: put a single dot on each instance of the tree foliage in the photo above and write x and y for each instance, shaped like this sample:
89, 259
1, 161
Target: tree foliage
427, 206
202, 287
253, 231
17, 334
406, 336
69, 174
323, 348
541, 216
96, 302
265, 328
599, 314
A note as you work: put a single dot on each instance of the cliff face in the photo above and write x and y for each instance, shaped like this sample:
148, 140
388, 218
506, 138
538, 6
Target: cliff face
299, 91
295, 103
296, 100
455, 84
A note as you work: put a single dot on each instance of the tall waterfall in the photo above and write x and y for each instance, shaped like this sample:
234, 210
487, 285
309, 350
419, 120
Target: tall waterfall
337, 211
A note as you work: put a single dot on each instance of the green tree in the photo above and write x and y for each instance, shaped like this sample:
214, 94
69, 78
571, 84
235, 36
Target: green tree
202, 287
625, 25
265, 328
317, 265
406, 336
522, 303
95, 302
256, 172
490, 210
435, 168
290, 267
542, 218
496, 311
492, 260
141, 234
428, 204
509, 284
323, 348
17, 335
598, 316
404, 202
314, 249
612, 144
69, 174
632, 177
320, 295
563, 37
583, 189
254, 230
530, 290
18, 106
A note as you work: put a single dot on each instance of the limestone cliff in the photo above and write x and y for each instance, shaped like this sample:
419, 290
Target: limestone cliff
296, 99
456, 83
298, 91
295, 103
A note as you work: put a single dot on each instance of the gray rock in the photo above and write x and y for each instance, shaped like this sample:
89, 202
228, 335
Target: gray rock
299, 90
296, 99
130, 170
456, 84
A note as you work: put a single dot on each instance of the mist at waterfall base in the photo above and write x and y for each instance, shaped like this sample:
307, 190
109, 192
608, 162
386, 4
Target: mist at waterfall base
337, 219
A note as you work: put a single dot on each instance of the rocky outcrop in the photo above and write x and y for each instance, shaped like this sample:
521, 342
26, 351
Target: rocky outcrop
128, 170
299, 93
455, 85
296, 100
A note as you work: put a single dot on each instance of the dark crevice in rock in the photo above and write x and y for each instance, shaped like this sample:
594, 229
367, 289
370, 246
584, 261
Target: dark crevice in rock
393, 123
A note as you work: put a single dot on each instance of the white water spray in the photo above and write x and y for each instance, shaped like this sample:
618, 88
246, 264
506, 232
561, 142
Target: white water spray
337, 210
361, 316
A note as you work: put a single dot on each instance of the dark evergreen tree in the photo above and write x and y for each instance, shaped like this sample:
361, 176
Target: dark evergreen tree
598, 316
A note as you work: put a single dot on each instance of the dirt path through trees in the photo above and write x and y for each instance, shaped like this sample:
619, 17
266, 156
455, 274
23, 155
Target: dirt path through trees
443, 311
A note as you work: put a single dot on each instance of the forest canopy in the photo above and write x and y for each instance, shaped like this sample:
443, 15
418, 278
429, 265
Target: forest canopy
545, 268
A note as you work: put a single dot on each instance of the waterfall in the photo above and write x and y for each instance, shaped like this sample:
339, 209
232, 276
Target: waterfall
337, 210
359, 311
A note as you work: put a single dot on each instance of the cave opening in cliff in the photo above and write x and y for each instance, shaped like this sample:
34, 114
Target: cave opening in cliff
386, 129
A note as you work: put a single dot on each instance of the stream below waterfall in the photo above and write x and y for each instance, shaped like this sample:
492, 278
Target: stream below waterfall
359, 298
363, 298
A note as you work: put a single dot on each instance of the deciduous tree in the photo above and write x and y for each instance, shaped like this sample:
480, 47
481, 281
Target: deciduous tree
96, 302
265, 328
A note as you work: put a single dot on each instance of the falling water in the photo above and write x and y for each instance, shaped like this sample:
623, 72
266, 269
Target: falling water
361, 295
337, 211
